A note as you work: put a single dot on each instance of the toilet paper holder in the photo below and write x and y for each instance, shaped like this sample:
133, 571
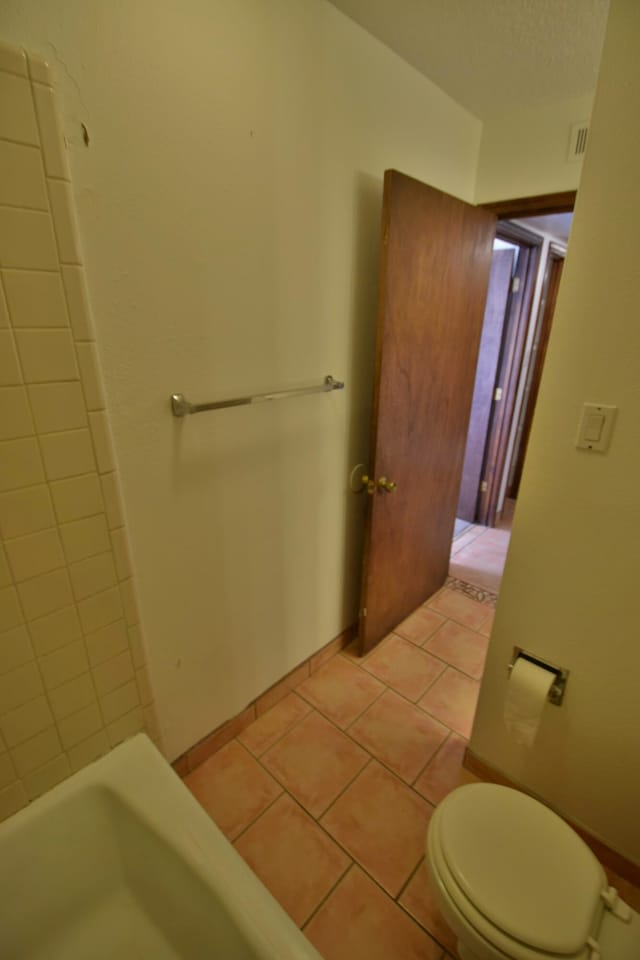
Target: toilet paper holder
556, 693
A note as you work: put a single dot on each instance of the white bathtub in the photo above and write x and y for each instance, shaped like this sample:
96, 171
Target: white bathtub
121, 862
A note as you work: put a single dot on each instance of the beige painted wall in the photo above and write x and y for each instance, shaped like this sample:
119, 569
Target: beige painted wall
570, 585
523, 153
229, 203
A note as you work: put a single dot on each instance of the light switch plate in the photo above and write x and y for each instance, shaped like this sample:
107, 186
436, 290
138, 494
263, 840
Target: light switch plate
596, 426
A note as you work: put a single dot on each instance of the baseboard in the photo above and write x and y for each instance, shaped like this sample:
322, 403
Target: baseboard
222, 734
609, 857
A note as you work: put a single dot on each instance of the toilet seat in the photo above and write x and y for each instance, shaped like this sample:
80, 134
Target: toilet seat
516, 874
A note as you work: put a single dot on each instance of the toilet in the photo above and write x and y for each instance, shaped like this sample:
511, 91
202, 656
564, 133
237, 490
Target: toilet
515, 882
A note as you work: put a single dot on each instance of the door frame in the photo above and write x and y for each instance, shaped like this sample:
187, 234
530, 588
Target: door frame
517, 321
536, 206
500, 427
553, 274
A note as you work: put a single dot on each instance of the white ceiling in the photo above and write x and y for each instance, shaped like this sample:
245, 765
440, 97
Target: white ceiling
556, 225
493, 54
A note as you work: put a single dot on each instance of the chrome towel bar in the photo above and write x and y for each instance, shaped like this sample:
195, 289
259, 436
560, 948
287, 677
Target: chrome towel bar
181, 407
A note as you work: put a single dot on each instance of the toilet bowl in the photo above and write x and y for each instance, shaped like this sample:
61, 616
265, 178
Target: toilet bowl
515, 882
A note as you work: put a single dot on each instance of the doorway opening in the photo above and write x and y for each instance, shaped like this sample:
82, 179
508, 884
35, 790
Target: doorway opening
528, 256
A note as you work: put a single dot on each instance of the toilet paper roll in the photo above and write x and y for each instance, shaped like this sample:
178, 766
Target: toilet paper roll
527, 693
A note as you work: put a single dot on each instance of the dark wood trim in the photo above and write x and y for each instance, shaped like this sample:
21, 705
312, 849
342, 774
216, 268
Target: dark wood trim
610, 858
516, 325
533, 206
550, 293
514, 233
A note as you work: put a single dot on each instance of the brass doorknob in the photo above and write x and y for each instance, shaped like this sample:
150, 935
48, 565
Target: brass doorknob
368, 484
387, 485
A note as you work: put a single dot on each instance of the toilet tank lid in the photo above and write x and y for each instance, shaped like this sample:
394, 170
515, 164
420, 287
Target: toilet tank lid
521, 866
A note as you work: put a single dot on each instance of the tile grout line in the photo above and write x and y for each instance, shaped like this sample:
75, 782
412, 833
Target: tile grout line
414, 872
253, 822
44, 693
357, 717
257, 756
346, 733
352, 860
324, 899
433, 757
416, 703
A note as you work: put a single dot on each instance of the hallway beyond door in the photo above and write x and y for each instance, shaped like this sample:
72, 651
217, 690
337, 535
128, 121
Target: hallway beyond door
478, 554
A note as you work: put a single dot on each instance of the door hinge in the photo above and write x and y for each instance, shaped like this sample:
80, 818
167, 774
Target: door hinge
515, 284
497, 394
364, 612
484, 486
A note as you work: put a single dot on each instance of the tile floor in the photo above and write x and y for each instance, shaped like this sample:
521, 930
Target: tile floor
327, 795
478, 554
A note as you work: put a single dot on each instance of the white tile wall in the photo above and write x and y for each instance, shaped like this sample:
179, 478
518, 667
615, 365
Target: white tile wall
21, 176
26, 510
20, 464
57, 406
4, 310
67, 454
35, 299
27, 239
73, 680
85, 538
77, 498
47, 355
10, 373
15, 417
55, 631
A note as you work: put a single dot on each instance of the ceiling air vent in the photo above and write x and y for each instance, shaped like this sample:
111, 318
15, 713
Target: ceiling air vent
578, 141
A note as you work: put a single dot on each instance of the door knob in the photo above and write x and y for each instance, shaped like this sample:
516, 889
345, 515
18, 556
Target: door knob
368, 484
387, 485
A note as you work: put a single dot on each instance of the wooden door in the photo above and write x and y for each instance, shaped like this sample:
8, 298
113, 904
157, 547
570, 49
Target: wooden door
485, 382
434, 272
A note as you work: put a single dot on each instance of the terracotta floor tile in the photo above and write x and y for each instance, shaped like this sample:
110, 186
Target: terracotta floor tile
419, 899
314, 762
233, 788
487, 626
444, 771
456, 606
340, 690
294, 858
267, 729
400, 735
418, 627
382, 823
462, 648
452, 700
403, 666
360, 922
